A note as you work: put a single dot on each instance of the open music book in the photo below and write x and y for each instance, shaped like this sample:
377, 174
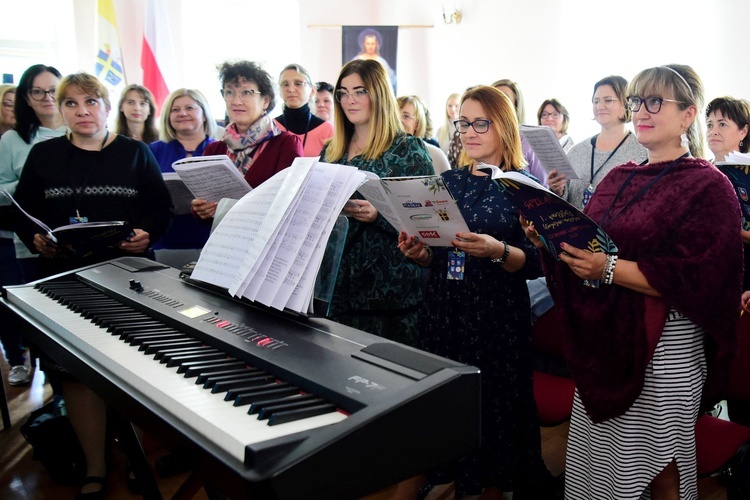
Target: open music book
182, 197
211, 178
737, 169
422, 206
269, 246
547, 148
82, 236
556, 220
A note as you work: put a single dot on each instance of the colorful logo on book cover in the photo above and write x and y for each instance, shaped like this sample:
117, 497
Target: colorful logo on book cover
411, 204
443, 214
429, 234
743, 193
430, 203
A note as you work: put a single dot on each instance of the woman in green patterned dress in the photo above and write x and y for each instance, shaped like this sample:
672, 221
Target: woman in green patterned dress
377, 289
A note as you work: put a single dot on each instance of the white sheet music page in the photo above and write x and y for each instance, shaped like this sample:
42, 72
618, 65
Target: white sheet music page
267, 261
284, 197
227, 246
289, 242
546, 146
212, 178
225, 249
346, 182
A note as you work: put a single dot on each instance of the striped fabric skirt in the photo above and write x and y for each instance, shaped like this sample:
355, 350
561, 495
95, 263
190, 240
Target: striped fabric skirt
618, 458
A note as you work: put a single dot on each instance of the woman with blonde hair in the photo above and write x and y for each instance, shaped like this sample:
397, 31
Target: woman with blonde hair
376, 289
137, 114
481, 316
415, 121
8, 100
187, 127
645, 355
96, 175
447, 131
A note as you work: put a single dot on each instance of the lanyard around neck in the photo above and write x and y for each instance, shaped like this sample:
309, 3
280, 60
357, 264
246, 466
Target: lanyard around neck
607, 219
593, 151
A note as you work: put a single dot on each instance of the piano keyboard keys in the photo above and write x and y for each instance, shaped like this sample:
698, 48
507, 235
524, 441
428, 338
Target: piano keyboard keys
177, 398
214, 370
203, 371
284, 417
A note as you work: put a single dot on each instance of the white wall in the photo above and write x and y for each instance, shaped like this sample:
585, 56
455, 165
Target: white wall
552, 48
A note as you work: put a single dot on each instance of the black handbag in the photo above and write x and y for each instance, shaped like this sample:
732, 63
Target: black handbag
55, 444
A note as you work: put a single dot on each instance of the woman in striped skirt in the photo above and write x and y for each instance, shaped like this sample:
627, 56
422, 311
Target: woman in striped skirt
648, 346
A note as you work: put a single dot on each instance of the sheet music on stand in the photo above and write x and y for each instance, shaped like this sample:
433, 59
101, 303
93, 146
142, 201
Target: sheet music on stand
269, 246
212, 178
546, 146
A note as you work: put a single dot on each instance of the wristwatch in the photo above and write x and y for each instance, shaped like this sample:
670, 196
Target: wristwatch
506, 253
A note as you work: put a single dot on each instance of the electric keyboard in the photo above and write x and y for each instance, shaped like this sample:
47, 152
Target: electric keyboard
291, 406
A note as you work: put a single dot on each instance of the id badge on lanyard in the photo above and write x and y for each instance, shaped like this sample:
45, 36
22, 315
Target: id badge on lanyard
456, 264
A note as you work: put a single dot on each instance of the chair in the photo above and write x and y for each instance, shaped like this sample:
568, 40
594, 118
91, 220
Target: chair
722, 446
553, 390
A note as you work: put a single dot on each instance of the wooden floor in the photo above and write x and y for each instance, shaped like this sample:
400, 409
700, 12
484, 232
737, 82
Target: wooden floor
23, 478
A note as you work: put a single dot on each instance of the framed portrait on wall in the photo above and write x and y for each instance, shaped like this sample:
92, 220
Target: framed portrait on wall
372, 42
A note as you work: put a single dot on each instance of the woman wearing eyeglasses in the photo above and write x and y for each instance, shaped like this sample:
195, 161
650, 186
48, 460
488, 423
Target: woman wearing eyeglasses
414, 119
37, 119
376, 289
481, 315
649, 347
8, 99
593, 158
324, 101
555, 116
296, 90
252, 140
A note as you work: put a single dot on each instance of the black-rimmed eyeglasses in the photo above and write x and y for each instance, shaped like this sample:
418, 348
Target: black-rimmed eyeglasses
653, 104
479, 126
40, 95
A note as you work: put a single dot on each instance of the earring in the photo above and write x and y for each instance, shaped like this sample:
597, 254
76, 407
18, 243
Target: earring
684, 140
742, 143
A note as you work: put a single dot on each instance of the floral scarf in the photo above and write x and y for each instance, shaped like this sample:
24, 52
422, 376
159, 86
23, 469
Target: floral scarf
242, 146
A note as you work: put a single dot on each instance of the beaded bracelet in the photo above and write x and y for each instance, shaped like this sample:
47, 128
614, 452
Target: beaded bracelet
608, 274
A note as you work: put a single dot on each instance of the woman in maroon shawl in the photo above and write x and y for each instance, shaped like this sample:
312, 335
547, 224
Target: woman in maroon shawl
647, 347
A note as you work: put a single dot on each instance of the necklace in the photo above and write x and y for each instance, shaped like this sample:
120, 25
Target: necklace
359, 148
